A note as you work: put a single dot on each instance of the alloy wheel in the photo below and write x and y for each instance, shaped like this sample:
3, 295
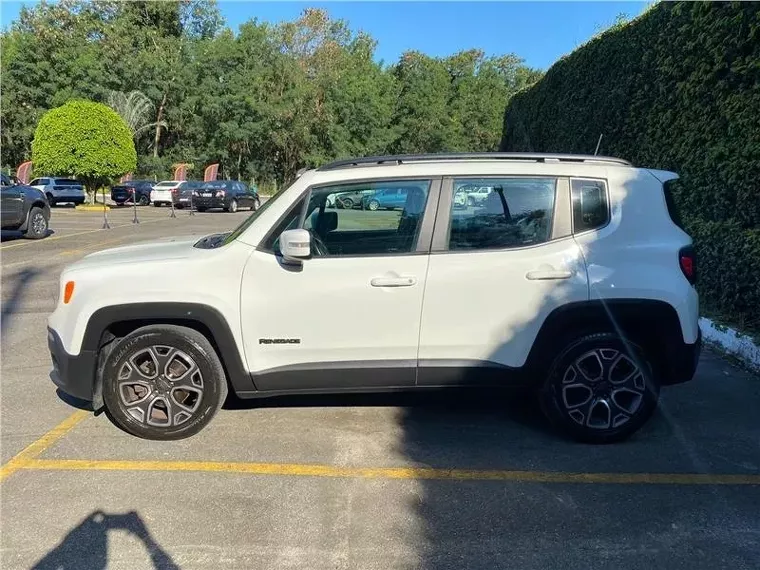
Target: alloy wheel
160, 386
39, 225
602, 389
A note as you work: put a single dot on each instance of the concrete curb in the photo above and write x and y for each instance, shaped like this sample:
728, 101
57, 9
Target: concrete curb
732, 342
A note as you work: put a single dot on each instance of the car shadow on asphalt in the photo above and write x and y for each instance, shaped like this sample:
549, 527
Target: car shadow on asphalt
85, 547
13, 235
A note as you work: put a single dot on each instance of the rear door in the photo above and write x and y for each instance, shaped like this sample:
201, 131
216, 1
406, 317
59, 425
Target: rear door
496, 271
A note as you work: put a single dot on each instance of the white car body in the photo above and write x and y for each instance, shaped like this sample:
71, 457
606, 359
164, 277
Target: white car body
407, 312
165, 192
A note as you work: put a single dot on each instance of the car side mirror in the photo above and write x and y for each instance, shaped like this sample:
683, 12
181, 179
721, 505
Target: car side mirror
295, 245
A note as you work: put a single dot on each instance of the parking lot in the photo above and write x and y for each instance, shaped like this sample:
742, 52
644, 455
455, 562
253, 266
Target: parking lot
414, 481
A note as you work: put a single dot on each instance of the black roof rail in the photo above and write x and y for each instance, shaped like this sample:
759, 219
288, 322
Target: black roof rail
516, 156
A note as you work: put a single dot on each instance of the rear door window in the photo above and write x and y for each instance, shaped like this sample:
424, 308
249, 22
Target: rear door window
590, 204
517, 212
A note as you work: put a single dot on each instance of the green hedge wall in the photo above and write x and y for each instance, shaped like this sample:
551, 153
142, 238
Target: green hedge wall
676, 89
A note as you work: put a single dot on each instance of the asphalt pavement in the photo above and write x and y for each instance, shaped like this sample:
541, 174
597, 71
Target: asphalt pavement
432, 481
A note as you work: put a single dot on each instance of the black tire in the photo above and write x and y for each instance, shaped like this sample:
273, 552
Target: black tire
200, 209
143, 201
157, 204
37, 224
256, 205
608, 357
233, 207
347, 203
50, 199
373, 205
192, 345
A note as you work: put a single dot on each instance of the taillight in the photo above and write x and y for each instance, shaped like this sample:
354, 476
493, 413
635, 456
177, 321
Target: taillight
688, 262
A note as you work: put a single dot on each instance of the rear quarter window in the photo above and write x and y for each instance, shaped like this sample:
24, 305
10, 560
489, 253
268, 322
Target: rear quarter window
590, 204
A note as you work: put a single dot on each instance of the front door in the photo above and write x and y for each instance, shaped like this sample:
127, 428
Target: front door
11, 206
349, 317
496, 271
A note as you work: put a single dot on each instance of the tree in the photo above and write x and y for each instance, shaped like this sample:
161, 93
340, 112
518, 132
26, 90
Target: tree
84, 139
136, 110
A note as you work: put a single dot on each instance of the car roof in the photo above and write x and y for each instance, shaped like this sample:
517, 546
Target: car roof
387, 160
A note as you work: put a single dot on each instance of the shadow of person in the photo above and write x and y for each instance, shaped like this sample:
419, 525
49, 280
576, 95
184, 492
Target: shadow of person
20, 282
86, 546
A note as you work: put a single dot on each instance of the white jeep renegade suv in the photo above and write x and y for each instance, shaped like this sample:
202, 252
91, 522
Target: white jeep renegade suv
571, 278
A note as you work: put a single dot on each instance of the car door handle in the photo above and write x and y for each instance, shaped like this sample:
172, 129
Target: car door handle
393, 281
544, 274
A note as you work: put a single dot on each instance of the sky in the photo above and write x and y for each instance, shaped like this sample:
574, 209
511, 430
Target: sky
538, 32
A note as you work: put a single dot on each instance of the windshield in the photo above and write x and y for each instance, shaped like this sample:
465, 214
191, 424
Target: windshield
66, 182
252, 218
166, 184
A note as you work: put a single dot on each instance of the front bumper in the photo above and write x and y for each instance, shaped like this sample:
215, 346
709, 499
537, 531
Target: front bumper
683, 361
75, 375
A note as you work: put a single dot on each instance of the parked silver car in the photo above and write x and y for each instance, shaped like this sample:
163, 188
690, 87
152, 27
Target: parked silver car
60, 190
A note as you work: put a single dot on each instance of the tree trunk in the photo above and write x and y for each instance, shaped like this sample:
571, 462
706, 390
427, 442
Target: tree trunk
159, 116
239, 160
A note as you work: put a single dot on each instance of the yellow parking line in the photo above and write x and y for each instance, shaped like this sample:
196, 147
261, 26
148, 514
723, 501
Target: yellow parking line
22, 459
294, 469
47, 239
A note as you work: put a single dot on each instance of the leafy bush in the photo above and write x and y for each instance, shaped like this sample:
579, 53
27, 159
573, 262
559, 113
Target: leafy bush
676, 89
83, 139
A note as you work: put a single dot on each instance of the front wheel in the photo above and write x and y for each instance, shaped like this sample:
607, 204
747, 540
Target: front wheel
38, 224
347, 203
233, 207
143, 201
600, 389
157, 204
163, 382
373, 205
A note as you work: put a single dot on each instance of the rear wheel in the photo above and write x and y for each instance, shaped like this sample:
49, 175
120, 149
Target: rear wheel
373, 205
143, 201
157, 204
50, 199
37, 227
256, 204
600, 389
163, 382
200, 209
347, 203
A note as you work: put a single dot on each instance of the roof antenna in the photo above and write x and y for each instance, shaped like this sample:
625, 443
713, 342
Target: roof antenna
599, 142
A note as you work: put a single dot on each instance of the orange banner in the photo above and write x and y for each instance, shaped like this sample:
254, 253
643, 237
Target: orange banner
180, 172
23, 171
211, 171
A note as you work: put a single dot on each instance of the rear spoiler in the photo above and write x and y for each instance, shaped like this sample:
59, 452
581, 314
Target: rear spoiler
663, 175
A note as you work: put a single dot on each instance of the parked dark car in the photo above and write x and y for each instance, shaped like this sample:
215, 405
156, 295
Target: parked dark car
186, 193
226, 194
23, 208
122, 193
